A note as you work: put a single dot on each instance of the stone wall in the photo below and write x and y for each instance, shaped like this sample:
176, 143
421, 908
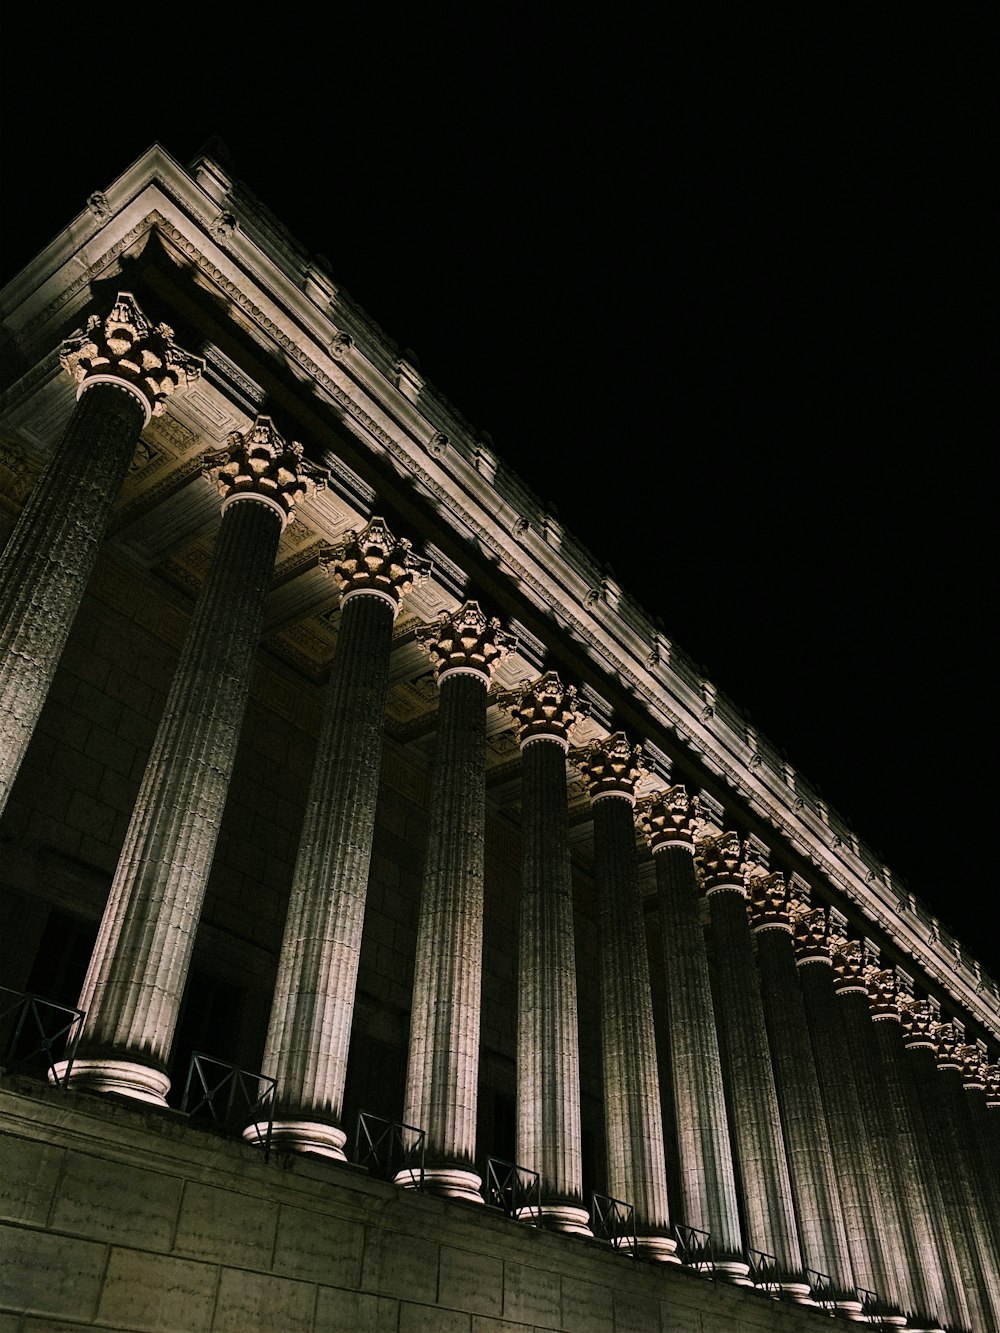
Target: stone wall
128, 1220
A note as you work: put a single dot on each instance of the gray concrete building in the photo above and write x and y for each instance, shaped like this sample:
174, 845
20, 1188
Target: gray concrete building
399, 931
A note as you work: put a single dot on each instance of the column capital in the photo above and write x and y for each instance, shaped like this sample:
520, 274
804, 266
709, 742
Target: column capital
375, 562
720, 861
919, 1024
972, 1060
848, 965
769, 902
466, 640
946, 1039
124, 347
991, 1073
883, 992
811, 935
611, 767
668, 818
544, 709
260, 465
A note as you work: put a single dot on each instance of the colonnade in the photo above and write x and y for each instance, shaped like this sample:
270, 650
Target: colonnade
834, 1138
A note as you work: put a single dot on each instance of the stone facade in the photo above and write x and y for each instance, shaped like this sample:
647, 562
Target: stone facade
369, 784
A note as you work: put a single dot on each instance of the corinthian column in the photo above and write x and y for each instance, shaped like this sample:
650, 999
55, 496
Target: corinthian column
909, 1236
633, 1120
133, 988
807, 1135
876, 1247
708, 1183
768, 1210
443, 1066
313, 1007
548, 1041
125, 369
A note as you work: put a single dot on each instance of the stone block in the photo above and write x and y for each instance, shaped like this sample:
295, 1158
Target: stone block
338, 1311
485, 1324
396, 1265
531, 1295
49, 1274
260, 1301
635, 1313
28, 1180
220, 1224
318, 1247
587, 1307
470, 1281
107, 1200
432, 1319
157, 1293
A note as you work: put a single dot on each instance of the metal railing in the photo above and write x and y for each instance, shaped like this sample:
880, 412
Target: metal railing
513, 1189
695, 1248
389, 1148
821, 1290
763, 1271
231, 1097
613, 1220
874, 1310
40, 1031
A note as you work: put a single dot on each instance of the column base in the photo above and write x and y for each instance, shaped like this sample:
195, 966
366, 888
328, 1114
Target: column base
309, 1137
660, 1248
796, 1291
563, 1217
123, 1078
852, 1310
734, 1271
451, 1182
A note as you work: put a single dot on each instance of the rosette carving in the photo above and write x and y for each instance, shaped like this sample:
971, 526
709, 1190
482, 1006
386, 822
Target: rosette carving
466, 640
373, 560
769, 902
883, 992
721, 863
259, 464
611, 766
919, 1023
669, 817
545, 707
124, 345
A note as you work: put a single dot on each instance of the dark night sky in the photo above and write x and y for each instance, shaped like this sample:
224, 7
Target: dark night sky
718, 283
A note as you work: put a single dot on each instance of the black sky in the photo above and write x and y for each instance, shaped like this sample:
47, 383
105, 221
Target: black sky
718, 280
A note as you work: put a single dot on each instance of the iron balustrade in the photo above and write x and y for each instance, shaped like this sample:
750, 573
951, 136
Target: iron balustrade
821, 1289
695, 1248
763, 1271
39, 1028
388, 1148
515, 1190
613, 1220
234, 1098
874, 1310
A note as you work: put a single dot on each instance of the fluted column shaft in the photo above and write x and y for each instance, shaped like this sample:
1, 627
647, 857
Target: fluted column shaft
441, 1084
950, 1249
133, 989
49, 558
817, 1201
873, 1239
904, 1200
768, 1208
548, 1043
310, 1028
708, 1183
636, 1161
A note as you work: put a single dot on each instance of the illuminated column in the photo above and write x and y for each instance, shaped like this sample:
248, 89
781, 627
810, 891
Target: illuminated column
975, 1125
133, 989
810, 1164
313, 1007
919, 1143
125, 369
940, 1069
548, 1041
905, 1208
768, 1209
633, 1120
443, 1066
875, 1243
989, 1119
708, 1185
